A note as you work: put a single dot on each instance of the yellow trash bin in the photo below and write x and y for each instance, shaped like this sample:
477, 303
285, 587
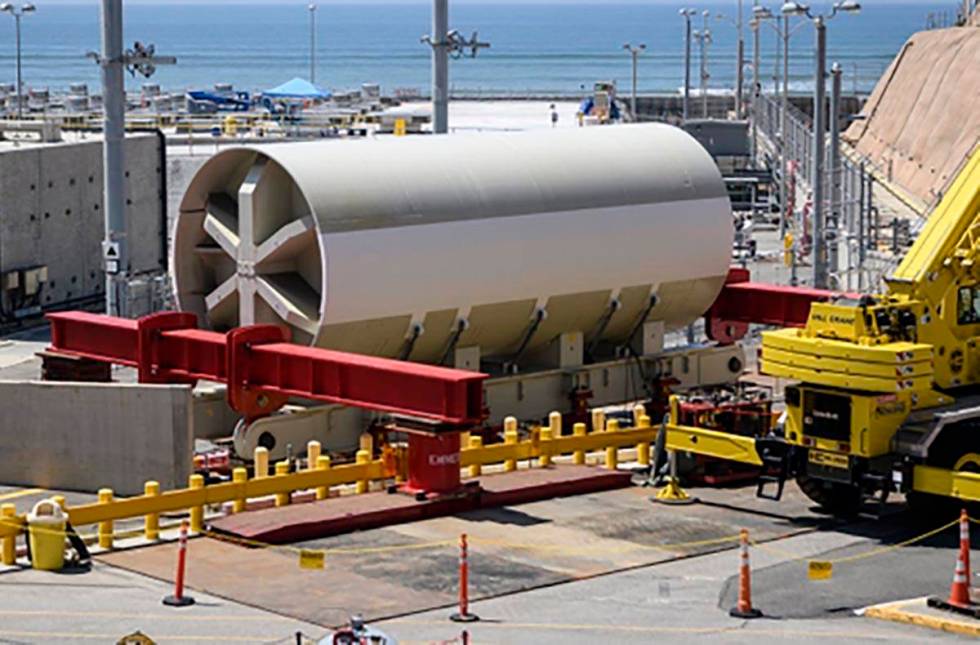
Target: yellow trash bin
46, 527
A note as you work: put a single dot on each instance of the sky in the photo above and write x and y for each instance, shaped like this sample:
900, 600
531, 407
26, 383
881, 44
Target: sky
816, 3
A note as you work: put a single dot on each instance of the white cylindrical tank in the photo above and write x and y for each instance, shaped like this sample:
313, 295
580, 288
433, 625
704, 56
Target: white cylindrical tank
362, 245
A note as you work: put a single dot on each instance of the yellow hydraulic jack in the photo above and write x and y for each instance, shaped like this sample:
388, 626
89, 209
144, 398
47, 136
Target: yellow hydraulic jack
672, 493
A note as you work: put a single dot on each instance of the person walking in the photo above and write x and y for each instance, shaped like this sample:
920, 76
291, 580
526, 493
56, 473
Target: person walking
554, 116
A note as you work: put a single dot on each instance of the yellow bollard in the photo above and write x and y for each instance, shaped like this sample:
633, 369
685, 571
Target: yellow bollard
578, 457
196, 482
598, 421
151, 521
367, 444
105, 526
363, 458
510, 439
612, 452
639, 411
476, 442
282, 470
323, 463
312, 454
612, 457
554, 422
239, 476
544, 460
643, 448
261, 460
8, 550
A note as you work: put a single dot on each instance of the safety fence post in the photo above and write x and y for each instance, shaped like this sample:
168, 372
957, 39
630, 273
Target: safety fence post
476, 442
363, 458
510, 439
8, 550
464, 615
105, 526
239, 476
612, 452
261, 462
598, 421
178, 599
313, 449
196, 482
322, 463
282, 470
151, 521
643, 448
544, 458
578, 457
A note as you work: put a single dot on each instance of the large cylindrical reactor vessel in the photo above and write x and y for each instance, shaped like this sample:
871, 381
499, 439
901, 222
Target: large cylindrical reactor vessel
409, 246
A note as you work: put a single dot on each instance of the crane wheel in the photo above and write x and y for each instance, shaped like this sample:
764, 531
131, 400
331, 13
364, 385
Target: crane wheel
834, 497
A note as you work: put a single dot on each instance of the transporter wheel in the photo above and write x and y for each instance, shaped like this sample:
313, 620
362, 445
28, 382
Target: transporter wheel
834, 497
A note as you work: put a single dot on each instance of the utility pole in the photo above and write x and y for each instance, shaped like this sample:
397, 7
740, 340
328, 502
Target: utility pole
445, 43
819, 140
755, 89
24, 10
834, 225
635, 52
440, 67
784, 133
687, 13
312, 10
115, 247
792, 8
704, 39
739, 65
113, 61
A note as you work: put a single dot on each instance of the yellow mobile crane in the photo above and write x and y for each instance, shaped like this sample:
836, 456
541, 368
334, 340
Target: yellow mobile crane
888, 386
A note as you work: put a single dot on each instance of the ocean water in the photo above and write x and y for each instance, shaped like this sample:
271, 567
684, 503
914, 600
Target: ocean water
554, 49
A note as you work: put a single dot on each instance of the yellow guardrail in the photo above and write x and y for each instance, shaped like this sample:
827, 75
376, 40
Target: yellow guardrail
541, 445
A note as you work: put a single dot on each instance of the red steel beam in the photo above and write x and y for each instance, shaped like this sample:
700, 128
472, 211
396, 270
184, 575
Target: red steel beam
742, 302
262, 369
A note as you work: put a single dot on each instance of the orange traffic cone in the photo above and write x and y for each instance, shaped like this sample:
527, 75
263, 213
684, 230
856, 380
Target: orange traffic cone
743, 608
959, 592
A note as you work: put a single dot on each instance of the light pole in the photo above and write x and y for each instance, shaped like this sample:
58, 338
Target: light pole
820, 275
740, 58
784, 34
739, 64
446, 43
312, 10
17, 14
757, 17
687, 13
704, 39
635, 52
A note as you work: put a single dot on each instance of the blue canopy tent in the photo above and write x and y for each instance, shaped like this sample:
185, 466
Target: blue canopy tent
297, 88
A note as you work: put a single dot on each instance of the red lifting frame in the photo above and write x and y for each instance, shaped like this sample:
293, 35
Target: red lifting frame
742, 302
262, 369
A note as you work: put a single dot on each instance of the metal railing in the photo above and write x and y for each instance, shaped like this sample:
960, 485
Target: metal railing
854, 228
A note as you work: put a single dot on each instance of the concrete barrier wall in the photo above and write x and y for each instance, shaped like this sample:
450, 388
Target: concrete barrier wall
77, 436
922, 118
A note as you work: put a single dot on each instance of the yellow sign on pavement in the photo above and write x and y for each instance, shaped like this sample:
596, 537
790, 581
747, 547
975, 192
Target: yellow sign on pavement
820, 570
309, 559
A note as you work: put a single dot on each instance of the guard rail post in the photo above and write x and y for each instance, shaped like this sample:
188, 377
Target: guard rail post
105, 526
196, 482
151, 521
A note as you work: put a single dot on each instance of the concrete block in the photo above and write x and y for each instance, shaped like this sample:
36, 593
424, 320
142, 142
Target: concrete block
86, 436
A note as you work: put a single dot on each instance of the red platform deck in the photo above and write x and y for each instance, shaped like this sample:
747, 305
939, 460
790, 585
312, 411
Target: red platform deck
300, 522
